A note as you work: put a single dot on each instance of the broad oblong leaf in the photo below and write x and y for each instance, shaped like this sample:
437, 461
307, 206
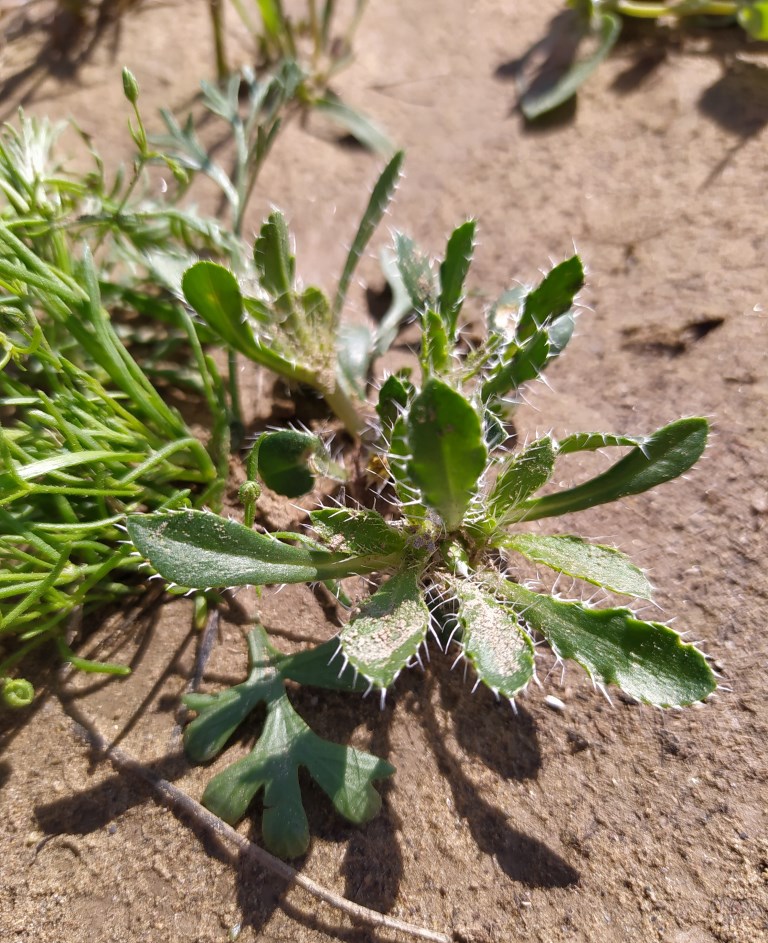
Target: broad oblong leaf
646, 659
380, 199
357, 532
523, 474
453, 272
200, 550
448, 452
387, 633
574, 556
499, 649
664, 455
281, 461
214, 293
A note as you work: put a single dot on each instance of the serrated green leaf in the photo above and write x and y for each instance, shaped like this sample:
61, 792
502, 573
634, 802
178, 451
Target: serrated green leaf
435, 349
398, 458
448, 452
499, 649
275, 264
664, 455
646, 659
453, 272
523, 473
518, 365
200, 550
357, 532
380, 199
416, 272
574, 556
553, 297
592, 441
213, 292
535, 104
387, 633
394, 396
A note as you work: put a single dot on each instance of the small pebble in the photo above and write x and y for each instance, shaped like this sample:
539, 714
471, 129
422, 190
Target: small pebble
554, 702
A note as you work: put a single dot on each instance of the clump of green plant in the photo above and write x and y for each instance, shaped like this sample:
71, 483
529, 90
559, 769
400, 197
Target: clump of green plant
444, 558
598, 25
313, 47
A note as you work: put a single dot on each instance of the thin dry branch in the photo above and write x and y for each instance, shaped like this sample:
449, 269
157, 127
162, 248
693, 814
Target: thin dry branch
179, 801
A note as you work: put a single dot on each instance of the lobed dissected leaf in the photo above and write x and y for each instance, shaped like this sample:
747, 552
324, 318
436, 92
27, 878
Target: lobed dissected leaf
574, 556
500, 650
357, 532
646, 659
664, 455
201, 550
524, 473
286, 744
391, 626
448, 452
453, 272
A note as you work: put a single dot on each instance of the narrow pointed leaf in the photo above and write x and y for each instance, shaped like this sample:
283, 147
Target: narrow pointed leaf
357, 532
355, 123
664, 455
523, 474
447, 448
534, 104
646, 659
453, 272
595, 563
499, 649
381, 197
416, 273
435, 350
593, 441
387, 633
200, 550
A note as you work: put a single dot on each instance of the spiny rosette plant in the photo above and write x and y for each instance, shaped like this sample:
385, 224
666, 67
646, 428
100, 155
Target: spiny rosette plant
463, 501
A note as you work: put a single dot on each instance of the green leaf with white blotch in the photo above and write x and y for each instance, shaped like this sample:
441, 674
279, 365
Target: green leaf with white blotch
753, 17
416, 272
199, 550
453, 272
553, 297
275, 264
448, 453
647, 660
380, 199
523, 473
362, 129
603, 38
664, 455
214, 293
391, 626
281, 460
358, 532
285, 745
574, 556
499, 649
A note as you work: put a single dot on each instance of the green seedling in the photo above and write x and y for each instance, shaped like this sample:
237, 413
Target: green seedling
597, 27
450, 559
311, 46
264, 314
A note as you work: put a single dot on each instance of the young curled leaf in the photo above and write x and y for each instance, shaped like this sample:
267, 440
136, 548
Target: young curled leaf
647, 660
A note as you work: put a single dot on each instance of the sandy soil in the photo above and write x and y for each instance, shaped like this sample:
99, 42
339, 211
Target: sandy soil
597, 824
